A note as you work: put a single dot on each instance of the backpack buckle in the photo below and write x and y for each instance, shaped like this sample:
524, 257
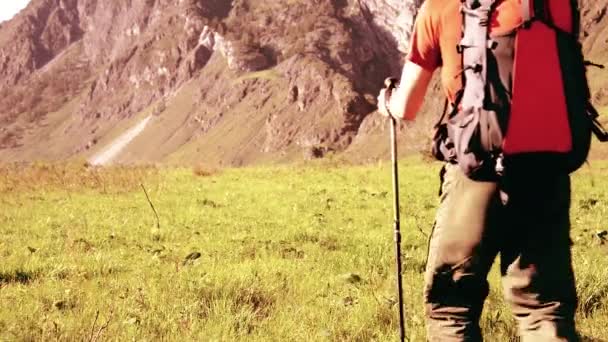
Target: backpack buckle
499, 167
477, 68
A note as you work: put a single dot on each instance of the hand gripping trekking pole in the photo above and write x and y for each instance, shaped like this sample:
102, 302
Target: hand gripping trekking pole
390, 84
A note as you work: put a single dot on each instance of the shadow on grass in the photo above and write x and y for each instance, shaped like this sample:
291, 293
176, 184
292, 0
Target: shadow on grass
591, 339
18, 277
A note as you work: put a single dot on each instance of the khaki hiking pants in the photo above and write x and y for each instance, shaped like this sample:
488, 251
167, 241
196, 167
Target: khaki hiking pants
530, 232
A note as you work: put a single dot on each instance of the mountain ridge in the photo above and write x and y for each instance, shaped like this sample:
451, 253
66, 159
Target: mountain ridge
223, 82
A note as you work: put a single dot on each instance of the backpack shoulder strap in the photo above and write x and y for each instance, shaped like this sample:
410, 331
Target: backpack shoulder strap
533, 9
526, 14
542, 10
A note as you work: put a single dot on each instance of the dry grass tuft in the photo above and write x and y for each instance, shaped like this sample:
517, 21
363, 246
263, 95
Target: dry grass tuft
73, 177
203, 171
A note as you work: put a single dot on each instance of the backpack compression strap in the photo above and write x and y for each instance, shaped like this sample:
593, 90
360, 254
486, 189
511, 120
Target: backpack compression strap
474, 48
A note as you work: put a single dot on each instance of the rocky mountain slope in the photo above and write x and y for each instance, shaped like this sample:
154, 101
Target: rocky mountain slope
217, 82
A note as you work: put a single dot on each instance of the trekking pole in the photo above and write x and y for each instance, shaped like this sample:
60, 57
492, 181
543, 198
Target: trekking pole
390, 84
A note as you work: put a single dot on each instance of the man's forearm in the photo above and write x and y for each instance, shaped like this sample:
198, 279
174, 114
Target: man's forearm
406, 100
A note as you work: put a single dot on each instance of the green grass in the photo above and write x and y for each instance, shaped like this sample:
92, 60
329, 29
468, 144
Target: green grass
286, 253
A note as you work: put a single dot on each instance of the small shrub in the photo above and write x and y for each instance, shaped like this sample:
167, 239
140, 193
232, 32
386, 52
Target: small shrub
203, 171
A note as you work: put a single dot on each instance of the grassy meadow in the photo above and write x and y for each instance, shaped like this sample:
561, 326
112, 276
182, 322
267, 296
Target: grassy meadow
275, 253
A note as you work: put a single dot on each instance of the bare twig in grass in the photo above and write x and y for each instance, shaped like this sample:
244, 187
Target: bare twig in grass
93, 327
417, 220
95, 174
375, 297
151, 206
423, 232
591, 173
102, 328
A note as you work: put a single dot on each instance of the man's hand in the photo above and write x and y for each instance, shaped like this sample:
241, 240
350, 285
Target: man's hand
403, 102
384, 98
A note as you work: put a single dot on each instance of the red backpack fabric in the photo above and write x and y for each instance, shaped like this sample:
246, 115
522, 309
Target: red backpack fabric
539, 98
525, 105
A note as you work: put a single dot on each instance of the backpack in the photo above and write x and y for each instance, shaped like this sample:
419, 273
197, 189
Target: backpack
525, 103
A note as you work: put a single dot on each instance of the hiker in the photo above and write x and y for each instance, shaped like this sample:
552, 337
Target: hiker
490, 204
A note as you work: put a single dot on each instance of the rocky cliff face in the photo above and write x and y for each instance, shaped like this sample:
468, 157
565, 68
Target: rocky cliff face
218, 81
92, 66
594, 31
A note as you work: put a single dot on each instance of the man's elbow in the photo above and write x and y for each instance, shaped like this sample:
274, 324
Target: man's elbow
415, 81
410, 110
409, 114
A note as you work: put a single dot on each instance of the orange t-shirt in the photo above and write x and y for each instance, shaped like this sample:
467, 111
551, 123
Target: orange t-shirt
438, 30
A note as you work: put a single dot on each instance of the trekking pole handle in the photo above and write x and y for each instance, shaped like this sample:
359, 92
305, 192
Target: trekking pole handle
390, 84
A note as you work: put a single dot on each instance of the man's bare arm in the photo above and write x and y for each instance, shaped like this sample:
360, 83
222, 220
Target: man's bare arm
406, 100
